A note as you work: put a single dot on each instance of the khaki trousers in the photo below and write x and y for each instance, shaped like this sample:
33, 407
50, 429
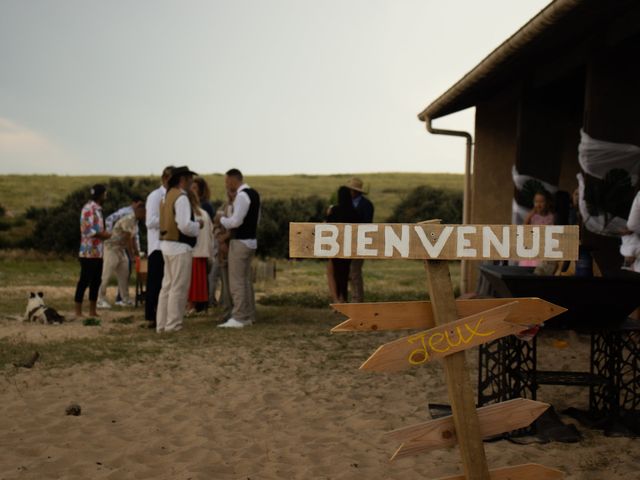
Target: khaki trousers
240, 281
115, 264
357, 283
172, 301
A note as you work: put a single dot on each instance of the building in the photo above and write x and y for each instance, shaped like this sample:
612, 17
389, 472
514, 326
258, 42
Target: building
573, 66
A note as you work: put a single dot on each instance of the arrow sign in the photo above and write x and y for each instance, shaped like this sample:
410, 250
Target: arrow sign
493, 419
366, 317
443, 340
528, 471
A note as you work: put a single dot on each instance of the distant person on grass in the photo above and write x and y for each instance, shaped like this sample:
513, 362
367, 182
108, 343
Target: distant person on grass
178, 233
92, 235
155, 265
338, 268
364, 209
118, 249
243, 225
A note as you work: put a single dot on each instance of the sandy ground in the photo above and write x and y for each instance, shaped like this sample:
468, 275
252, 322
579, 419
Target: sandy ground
250, 410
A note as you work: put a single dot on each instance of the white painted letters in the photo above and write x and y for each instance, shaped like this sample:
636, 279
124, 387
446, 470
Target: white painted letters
489, 239
434, 250
330, 241
521, 249
463, 243
363, 240
391, 241
550, 243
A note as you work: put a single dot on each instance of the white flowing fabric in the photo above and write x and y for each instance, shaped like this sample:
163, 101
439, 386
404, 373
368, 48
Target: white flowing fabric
598, 157
598, 223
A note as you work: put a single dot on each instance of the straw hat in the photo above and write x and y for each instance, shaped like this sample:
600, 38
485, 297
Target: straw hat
180, 171
356, 184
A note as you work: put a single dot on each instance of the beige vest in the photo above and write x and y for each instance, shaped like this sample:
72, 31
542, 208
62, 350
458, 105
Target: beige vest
168, 226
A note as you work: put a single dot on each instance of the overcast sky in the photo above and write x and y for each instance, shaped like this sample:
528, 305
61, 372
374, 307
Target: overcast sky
268, 86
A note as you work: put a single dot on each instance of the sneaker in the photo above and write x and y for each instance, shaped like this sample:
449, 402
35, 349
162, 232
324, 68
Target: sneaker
233, 323
103, 304
124, 303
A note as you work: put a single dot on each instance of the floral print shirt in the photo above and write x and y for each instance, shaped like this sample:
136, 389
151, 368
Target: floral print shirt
91, 223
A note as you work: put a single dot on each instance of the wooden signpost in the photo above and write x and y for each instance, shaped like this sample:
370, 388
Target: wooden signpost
451, 326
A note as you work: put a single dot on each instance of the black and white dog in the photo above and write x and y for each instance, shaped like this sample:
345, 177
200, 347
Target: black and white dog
37, 311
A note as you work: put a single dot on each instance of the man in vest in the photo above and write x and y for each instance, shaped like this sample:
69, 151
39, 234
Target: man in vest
243, 225
178, 233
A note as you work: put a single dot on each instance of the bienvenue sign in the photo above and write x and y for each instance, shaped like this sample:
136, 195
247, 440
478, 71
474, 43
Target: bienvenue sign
433, 241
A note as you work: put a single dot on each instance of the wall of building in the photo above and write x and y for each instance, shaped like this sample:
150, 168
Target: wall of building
494, 154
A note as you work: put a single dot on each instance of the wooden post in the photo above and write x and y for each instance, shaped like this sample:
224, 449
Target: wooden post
465, 416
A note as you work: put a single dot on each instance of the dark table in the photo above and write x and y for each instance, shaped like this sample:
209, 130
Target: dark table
599, 306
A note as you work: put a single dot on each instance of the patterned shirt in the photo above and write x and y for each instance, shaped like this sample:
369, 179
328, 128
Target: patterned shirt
112, 219
91, 223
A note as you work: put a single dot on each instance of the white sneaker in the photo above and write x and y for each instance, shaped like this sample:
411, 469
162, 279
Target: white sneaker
233, 323
124, 303
103, 304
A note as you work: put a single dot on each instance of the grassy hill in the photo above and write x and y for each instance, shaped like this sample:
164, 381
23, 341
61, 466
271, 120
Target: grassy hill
19, 192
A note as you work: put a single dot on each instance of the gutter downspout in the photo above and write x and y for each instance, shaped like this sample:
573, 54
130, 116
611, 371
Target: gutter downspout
466, 204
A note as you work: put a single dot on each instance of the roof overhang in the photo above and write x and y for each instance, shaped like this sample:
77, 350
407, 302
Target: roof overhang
559, 26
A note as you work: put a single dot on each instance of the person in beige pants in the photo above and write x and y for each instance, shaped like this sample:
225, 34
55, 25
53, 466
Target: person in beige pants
243, 225
116, 261
178, 233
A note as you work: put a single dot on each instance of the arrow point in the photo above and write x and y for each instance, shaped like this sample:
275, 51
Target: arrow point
343, 327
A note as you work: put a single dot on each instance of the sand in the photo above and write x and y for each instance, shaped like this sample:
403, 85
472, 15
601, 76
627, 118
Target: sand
283, 407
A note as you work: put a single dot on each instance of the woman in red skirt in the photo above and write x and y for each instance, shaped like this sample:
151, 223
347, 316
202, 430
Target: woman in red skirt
199, 289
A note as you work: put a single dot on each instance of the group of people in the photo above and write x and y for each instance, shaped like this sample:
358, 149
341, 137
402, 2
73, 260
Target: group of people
190, 248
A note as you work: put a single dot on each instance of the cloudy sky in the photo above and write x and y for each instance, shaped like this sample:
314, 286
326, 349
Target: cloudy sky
268, 86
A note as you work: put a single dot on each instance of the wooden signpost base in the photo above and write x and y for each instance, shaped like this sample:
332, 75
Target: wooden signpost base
465, 416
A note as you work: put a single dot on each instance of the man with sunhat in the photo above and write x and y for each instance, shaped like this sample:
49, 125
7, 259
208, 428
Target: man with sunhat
178, 234
364, 209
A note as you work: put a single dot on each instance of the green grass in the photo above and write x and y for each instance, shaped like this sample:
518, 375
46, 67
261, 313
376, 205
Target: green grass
294, 306
19, 192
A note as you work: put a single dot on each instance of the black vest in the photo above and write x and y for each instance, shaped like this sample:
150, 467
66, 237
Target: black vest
249, 227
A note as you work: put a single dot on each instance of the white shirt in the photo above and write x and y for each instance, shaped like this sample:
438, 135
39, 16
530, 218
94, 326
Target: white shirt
240, 208
204, 245
154, 200
185, 225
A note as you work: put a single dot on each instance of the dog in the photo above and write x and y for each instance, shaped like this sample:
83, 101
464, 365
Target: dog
37, 311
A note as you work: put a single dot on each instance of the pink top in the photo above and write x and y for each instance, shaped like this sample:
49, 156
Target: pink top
538, 219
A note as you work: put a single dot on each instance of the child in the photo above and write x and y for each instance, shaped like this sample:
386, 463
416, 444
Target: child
540, 215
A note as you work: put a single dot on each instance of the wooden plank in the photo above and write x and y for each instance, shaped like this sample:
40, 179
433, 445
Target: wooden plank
433, 241
528, 471
461, 396
368, 317
442, 341
440, 433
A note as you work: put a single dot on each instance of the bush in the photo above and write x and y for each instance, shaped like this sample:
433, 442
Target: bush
425, 203
273, 229
58, 228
